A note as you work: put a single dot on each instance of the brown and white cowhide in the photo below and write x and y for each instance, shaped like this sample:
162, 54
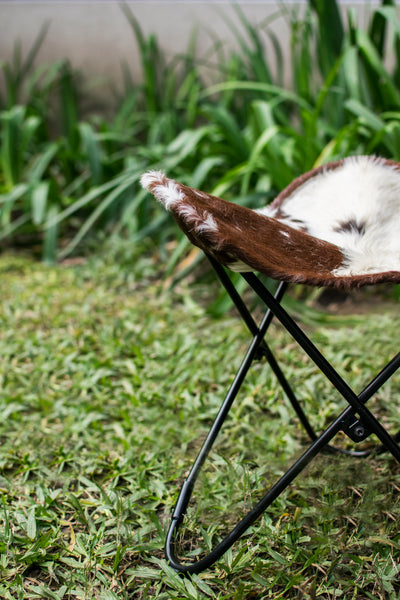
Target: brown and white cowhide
336, 225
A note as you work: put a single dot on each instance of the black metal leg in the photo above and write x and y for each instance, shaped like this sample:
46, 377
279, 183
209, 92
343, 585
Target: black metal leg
251, 516
356, 420
258, 339
264, 349
356, 402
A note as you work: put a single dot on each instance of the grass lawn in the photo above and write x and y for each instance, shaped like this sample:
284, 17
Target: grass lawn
107, 385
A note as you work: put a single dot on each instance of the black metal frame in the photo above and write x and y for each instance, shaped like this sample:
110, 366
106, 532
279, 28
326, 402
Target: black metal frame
356, 421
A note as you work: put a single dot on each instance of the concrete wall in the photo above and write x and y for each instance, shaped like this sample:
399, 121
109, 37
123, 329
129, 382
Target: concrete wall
96, 36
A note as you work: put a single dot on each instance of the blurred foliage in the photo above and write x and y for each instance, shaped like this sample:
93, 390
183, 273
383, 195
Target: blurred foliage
223, 121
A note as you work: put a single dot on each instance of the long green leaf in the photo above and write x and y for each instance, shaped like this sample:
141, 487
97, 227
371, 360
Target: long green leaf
331, 32
379, 25
113, 196
69, 107
8, 204
90, 196
39, 197
387, 92
366, 115
41, 162
92, 151
258, 148
254, 86
11, 159
51, 232
229, 129
14, 225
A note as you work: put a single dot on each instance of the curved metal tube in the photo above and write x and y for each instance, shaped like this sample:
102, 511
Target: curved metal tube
216, 553
341, 423
252, 515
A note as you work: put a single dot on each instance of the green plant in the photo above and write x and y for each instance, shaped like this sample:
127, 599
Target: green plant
243, 135
19, 74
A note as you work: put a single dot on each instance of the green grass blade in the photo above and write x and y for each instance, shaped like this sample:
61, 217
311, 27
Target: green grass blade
257, 150
39, 198
199, 176
386, 93
30, 58
13, 225
15, 194
302, 63
51, 232
331, 32
17, 133
69, 107
93, 152
115, 195
379, 25
391, 139
351, 73
9, 206
365, 115
150, 60
184, 145
11, 155
254, 86
229, 129
91, 195
231, 179
255, 53
41, 162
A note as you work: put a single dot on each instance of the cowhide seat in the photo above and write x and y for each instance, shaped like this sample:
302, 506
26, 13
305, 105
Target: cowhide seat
337, 225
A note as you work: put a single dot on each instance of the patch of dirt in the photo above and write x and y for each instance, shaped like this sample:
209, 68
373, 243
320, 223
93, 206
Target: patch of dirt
362, 301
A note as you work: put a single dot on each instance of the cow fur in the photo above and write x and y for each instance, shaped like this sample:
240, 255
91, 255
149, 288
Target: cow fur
336, 225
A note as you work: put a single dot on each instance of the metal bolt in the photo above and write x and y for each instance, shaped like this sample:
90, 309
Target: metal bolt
359, 431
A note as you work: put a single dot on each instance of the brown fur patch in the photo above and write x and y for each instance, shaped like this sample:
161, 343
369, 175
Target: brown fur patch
268, 245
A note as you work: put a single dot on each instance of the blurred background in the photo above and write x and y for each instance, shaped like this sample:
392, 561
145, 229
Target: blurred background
238, 98
95, 36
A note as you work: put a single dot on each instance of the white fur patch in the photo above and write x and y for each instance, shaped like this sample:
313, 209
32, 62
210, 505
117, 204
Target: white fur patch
202, 222
150, 178
356, 207
171, 195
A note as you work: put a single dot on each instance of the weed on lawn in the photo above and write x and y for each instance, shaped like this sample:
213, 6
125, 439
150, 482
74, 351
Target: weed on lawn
108, 384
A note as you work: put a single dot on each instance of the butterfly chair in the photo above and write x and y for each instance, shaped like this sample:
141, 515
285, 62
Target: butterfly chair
337, 225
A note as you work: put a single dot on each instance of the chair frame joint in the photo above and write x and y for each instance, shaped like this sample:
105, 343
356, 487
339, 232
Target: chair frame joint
354, 428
